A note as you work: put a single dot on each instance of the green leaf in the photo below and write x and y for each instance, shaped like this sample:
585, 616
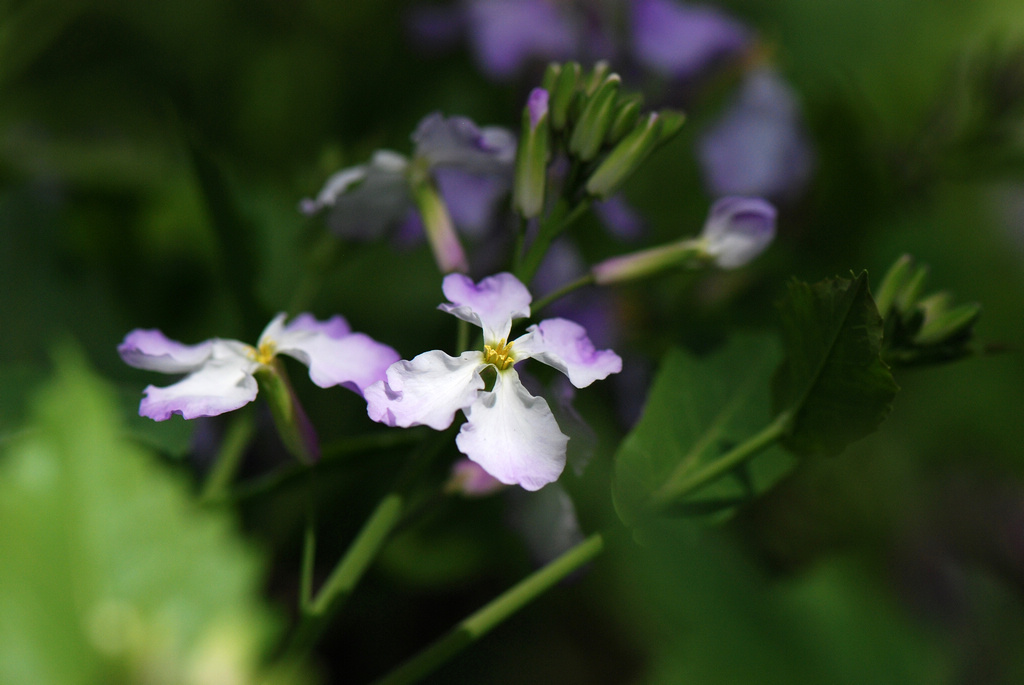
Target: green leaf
833, 382
110, 571
698, 410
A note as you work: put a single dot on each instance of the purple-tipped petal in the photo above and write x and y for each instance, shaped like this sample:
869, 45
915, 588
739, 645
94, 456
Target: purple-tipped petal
564, 345
738, 229
680, 40
513, 435
426, 391
491, 304
759, 147
220, 385
505, 34
459, 143
334, 354
537, 105
151, 350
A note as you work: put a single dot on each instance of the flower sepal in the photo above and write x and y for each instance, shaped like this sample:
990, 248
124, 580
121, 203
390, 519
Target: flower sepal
292, 423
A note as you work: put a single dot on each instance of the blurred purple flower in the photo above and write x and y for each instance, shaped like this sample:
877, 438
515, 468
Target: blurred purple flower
759, 147
506, 34
680, 40
472, 167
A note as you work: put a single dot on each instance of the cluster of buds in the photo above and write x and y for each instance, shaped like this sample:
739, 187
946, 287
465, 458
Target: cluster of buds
599, 128
922, 329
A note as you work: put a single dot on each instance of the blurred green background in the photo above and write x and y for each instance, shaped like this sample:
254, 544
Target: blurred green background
152, 156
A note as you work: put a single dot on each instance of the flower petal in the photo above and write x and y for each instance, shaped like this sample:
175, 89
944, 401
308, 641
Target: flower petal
335, 355
564, 345
224, 383
738, 229
365, 201
505, 34
457, 142
680, 40
426, 391
491, 304
513, 435
152, 350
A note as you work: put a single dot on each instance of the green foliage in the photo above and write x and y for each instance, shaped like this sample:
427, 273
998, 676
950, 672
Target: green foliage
833, 382
922, 329
698, 410
110, 573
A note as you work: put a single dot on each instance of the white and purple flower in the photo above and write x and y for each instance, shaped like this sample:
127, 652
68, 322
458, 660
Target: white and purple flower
221, 373
472, 167
509, 432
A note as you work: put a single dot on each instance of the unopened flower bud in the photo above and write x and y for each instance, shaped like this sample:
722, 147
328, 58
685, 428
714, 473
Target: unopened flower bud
646, 262
588, 134
625, 157
532, 156
563, 93
627, 115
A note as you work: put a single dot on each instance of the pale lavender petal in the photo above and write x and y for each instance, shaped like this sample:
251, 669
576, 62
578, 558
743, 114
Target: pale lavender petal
759, 147
471, 199
491, 304
221, 385
679, 40
334, 355
738, 229
564, 345
365, 201
459, 143
537, 105
513, 435
426, 391
505, 34
151, 350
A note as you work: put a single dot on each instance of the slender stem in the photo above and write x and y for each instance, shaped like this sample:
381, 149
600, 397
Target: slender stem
478, 624
308, 557
229, 458
462, 337
580, 282
686, 483
320, 609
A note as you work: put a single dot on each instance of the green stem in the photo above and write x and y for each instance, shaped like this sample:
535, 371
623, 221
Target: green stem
320, 609
580, 282
229, 458
685, 483
557, 221
475, 626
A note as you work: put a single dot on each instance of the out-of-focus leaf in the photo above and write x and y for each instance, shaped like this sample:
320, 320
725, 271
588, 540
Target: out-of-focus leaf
110, 572
698, 409
833, 381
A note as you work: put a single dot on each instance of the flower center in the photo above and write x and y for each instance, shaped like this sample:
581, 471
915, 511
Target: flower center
500, 355
265, 353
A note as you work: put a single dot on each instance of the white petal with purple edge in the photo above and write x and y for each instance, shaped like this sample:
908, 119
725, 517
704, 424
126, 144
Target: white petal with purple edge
491, 304
513, 435
220, 385
152, 350
355, 361
564, 345
426, 391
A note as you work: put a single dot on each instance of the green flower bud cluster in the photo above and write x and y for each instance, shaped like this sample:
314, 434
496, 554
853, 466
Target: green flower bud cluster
602, 130
919, 328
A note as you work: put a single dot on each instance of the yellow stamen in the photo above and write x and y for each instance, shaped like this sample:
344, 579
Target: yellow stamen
500, 355
265, 353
